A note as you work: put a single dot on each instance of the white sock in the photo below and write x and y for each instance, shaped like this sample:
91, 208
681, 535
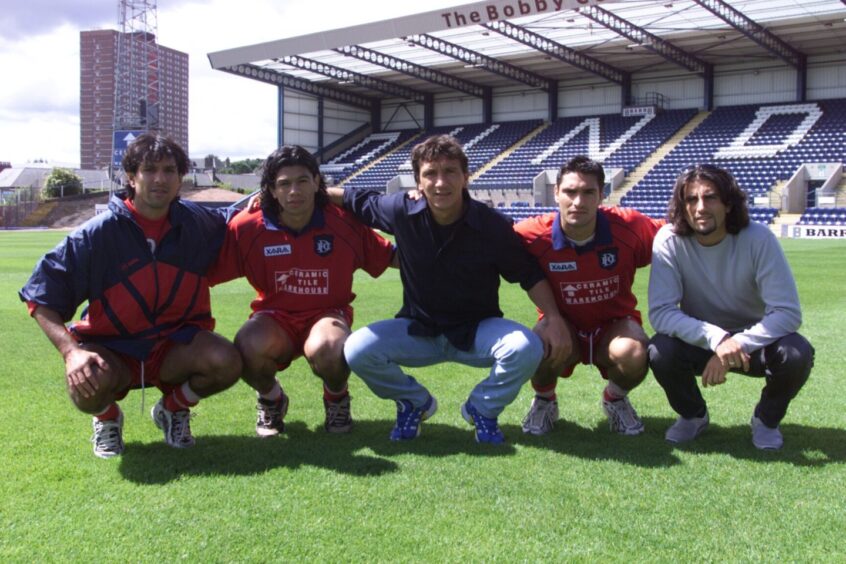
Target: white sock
275, 392
189, 394
615, 392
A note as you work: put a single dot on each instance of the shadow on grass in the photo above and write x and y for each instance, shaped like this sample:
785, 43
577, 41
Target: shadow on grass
241, 455
648, 450
438, 440
803, 445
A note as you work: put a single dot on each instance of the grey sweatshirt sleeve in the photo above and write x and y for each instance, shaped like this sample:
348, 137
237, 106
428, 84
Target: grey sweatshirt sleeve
782, 314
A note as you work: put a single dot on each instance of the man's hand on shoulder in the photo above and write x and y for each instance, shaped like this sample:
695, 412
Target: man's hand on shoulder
254, 203
336, 195
414, 194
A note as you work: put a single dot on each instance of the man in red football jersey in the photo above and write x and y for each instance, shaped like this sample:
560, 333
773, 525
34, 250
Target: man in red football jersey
589, 254
299, 252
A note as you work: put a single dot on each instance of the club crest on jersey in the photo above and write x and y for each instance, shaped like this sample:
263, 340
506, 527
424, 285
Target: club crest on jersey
608, 258
277, 250
323, 244
569, 266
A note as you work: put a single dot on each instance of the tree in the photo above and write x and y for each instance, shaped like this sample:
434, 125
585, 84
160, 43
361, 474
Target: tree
61, 182
246, 166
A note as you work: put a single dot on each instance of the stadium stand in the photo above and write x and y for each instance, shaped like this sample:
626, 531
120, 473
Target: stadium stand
620, 142
370, 149
759, 144
823, 216
482, 143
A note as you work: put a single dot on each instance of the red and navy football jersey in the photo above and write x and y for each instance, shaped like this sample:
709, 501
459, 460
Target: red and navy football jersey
303, 271
592, 283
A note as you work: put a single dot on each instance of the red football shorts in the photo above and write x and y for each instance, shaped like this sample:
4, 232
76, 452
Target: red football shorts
298, 325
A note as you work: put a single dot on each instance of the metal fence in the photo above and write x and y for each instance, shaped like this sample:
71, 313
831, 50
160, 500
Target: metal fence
16, 204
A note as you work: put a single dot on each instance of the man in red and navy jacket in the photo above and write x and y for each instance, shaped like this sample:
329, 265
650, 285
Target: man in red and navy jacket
141, 268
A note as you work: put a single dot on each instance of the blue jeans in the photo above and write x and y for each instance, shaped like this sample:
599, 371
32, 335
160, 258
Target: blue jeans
376, 352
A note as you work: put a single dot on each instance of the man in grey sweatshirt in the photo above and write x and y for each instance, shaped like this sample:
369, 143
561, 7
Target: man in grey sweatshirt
722, 299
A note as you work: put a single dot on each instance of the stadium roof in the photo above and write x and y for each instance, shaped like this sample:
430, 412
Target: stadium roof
433, 52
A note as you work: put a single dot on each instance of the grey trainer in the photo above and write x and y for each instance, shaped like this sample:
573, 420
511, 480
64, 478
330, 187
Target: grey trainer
684, 430
765, 438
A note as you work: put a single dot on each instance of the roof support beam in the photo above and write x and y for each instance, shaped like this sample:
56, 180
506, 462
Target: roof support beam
414, 70
345, 75
769, 41
478, 60
753, 31
643, 37
277, 78
557, 51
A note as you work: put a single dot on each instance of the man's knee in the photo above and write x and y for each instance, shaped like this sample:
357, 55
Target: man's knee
662, 353
106, 394
326, 358
253, 344
794, 358
211, 363
521, 347
630, 356
224, 363
358, 348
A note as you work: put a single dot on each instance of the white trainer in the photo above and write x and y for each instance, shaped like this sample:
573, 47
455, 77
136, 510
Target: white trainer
622, 417
108, 437
541, 417
176, 425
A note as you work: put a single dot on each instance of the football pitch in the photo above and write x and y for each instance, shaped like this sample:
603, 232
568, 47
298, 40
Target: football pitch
577, 494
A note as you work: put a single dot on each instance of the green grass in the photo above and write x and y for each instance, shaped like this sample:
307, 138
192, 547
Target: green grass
579, 494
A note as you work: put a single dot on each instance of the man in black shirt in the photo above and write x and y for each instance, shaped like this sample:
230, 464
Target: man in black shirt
452, 251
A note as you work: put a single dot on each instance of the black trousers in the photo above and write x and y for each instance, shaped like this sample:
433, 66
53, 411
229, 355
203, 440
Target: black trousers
785, 364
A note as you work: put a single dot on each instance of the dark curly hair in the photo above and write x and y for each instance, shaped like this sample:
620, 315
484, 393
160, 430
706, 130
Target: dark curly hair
737, 214
584, 166
288, 155
150, 148
434, 148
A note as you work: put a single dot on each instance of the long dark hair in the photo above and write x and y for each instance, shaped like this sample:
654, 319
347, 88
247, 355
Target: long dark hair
737, 215
288, 155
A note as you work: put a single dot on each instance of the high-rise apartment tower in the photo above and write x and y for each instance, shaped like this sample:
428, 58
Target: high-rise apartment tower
98, 79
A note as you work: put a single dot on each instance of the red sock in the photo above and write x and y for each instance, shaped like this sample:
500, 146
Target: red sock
335, 397
111, 413
546, 392
180, 399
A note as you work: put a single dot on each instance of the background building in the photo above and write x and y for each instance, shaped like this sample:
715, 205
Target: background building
98, 62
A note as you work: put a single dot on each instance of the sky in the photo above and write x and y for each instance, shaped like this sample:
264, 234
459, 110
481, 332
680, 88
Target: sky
229, 116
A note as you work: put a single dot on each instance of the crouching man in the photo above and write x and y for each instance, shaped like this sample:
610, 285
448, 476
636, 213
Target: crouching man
141, 268
722, 299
